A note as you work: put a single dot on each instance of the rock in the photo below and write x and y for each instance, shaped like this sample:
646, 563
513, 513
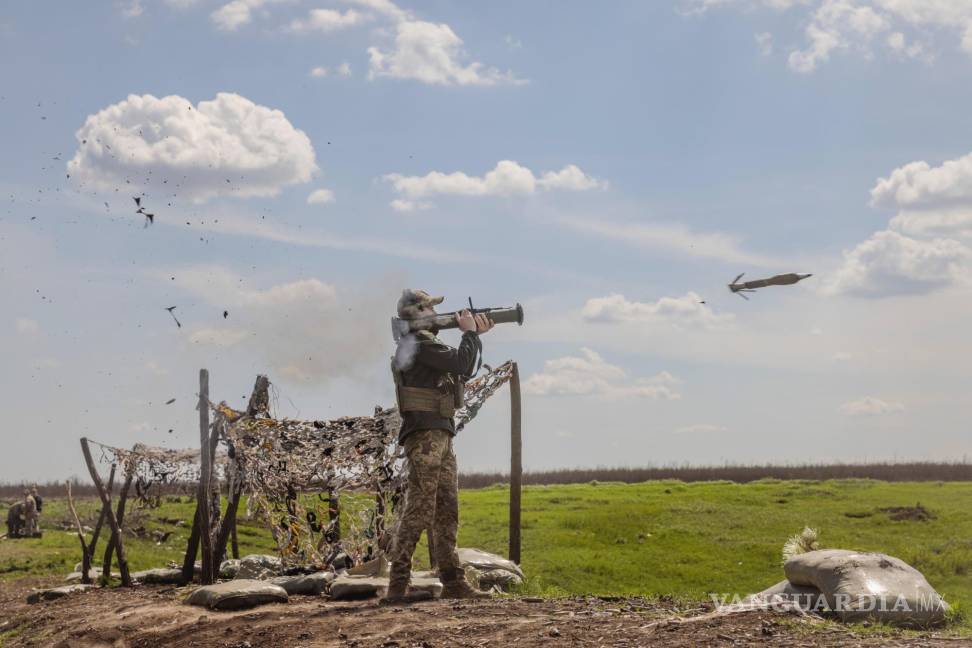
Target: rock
229, 568
259, 567
305, 584
357, 587
485, 561
863, 585
237, 594
158, 576
57, 592
501, 578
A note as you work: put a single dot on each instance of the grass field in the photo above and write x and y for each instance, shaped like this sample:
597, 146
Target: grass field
654, 538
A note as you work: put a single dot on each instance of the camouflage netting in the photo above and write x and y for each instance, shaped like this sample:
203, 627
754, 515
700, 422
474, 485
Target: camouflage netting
160, 470
294, 471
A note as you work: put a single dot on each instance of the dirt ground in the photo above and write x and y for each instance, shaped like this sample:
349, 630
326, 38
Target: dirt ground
148, 617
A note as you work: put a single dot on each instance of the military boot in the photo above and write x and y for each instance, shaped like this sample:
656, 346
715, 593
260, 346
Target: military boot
455, 586
399, 593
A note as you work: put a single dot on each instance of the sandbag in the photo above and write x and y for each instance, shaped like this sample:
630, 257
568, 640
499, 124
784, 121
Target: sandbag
804, 597
356, 587
237, 594
259, 567
864, 585
501, 578
57, 592
229, 568
485, 561
160, 576
305, 584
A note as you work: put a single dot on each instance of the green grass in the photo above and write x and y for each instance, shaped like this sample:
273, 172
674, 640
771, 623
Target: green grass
687, 540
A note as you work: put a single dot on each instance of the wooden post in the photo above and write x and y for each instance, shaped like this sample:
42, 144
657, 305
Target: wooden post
233, 540
192, 548
85, 551
112, 520
205, 474
101, 518
112, 544
227, 527
516, 465
259, 397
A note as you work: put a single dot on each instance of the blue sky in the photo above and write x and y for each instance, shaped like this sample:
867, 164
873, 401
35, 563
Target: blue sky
609, 166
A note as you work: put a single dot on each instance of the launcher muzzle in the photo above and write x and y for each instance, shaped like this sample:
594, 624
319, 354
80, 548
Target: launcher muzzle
502, 315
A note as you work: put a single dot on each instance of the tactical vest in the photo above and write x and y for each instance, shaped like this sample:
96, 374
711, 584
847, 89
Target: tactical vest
443, 400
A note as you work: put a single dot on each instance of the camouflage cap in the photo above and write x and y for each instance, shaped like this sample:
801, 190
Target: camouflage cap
412, 301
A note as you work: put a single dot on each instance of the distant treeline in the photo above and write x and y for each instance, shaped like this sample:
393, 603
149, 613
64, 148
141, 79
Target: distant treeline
913, 471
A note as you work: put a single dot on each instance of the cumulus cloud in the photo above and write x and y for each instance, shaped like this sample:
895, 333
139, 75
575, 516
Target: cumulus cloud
508, 178
764, 41
233, 15
870, 406
590, 375
344, 69
431, 53
890, 264
409, 205
228, 146
307, 330
318, 72
932, 200
328, 20
320, 197
687, 310
831, 26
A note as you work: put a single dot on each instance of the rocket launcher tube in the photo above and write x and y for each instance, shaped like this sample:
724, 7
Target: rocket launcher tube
502, 315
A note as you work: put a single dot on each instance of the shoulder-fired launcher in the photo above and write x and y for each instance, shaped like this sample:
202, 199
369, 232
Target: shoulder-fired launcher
501, 315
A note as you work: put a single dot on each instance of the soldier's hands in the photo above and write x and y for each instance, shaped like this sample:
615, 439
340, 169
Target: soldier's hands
466, 321
483, 323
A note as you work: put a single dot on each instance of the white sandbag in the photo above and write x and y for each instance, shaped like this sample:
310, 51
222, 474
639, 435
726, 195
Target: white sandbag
785, 593
485, 561
160, 576
57, 592
237, 594
357, 587
864, 585
305, 584
259, 567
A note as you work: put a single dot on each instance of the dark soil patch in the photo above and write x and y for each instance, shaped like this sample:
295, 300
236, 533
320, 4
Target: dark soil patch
916, 513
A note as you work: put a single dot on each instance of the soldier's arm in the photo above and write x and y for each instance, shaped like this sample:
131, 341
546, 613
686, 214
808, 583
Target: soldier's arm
444, 358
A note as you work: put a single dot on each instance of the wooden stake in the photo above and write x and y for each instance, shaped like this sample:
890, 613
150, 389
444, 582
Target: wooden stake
112, 544
192, 548
112, 520
516, 464
205, 475
235, 543
101, 518
85, 552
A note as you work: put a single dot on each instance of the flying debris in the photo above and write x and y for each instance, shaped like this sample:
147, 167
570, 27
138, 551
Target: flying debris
776, 280
149, 218
225, 314
170, 309
170, 401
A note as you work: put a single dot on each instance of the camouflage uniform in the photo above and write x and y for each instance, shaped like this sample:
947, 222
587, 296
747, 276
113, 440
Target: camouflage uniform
425, 364
30, 515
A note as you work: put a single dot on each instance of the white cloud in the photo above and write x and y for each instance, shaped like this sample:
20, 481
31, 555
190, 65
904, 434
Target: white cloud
385, 7
318, 72
320, 197
431, 53
764, 41
155, 368
891, 264
132, 9
513, 43
508, 178
672, 237
701, 428
679, 311
228, 146
409, 205
590, 375
233, 15
831, 26
26, 326
344, 69
328, 20
306, 329
842, 356
870, 406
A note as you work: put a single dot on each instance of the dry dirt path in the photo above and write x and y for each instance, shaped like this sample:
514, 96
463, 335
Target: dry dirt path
154, 617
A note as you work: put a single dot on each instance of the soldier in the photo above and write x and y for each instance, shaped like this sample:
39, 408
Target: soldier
30, 515
429, 379
39, 502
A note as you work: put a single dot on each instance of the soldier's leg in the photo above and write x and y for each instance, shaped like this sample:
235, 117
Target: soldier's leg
423, 449
445, 525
